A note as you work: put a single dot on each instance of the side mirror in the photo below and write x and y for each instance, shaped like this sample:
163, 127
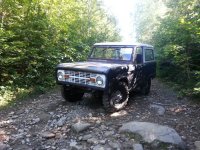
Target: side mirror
138, 58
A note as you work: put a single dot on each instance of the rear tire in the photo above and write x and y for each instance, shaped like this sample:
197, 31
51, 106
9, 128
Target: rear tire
146, 88
117, 99
71, 94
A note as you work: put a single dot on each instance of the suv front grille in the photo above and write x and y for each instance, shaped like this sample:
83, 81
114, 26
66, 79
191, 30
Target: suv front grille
79, 77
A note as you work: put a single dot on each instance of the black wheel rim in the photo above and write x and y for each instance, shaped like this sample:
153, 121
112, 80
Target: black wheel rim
117, 100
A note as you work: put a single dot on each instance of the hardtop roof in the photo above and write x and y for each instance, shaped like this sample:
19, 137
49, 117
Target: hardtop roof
121, 44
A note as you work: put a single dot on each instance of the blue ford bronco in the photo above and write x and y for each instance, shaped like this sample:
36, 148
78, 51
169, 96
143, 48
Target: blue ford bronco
112, 71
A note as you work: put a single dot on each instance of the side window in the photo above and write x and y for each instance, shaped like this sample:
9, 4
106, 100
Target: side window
138, 55
149, 56
138, 50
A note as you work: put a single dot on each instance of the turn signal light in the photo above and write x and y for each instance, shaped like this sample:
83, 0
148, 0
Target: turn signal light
66, 76
93, 80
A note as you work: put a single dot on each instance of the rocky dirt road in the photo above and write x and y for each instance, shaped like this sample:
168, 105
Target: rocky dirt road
48, 122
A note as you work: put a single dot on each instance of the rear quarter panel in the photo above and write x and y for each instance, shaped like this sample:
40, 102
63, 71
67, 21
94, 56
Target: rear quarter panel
149, 69
149, 66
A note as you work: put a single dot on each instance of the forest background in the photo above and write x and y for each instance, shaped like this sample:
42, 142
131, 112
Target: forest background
36, 35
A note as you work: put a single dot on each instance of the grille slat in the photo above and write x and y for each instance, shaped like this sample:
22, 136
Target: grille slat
80, 77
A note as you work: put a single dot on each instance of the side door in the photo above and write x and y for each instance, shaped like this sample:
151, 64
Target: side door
149, 63
138, 62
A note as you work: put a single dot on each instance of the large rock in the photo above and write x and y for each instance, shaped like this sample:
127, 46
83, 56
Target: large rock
137, 147
80, 126
159, 109
197, 145
151, 132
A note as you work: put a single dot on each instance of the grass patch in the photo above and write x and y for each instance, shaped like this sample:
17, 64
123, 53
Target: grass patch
187, 89
10, 95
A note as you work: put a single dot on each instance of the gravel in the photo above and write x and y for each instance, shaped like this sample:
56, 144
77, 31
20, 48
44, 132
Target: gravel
46, 121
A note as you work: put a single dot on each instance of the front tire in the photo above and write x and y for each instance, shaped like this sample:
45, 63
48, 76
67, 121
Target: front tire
117, 99
71, 94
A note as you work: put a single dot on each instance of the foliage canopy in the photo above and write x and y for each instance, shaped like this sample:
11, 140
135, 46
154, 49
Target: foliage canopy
174, 30
35, 35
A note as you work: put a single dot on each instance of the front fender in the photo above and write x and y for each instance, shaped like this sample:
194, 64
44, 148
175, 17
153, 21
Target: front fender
119, 74
113, 83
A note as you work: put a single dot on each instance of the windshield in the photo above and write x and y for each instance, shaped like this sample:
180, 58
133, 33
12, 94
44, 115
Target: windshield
112, 53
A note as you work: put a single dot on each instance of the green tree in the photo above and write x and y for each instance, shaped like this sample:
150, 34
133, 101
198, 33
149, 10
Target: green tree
176, 39
35, 35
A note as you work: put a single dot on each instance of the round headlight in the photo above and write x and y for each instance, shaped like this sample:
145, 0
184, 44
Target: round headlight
99, 80
60, 75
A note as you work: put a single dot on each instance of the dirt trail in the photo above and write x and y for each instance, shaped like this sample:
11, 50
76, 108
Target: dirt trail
24, 126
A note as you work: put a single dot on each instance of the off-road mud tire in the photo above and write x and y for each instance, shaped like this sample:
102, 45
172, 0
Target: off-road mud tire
107, 98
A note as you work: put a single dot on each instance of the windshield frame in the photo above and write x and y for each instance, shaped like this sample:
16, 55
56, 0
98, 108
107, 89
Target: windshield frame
112, 46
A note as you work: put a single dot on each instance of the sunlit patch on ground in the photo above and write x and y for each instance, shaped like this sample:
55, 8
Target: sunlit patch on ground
119, 113
3, 136
178, 109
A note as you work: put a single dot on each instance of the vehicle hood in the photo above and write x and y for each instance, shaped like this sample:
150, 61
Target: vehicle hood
99, 67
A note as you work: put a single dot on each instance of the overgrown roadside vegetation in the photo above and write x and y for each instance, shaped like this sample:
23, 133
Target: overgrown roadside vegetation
38, 34
173, 27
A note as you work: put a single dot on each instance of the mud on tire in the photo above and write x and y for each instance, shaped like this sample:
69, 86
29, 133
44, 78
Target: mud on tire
117, 99
71, 94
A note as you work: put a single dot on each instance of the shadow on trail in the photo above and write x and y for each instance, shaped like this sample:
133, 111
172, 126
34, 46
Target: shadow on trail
91, 102
88, 100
